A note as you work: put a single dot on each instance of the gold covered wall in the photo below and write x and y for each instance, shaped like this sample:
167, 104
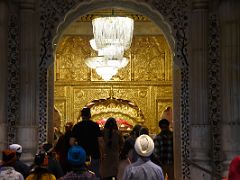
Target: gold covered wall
146, 81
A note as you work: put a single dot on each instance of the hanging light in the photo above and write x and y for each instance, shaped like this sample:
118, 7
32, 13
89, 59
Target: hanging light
112, 35
113, 31
106, 68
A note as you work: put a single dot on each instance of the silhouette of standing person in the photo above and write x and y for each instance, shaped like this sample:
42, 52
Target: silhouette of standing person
62, 146
111, 148
87, 134
163, 151
77, 157
143, 168
19, 166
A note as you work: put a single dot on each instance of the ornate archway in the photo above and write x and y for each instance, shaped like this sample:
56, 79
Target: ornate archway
56, 16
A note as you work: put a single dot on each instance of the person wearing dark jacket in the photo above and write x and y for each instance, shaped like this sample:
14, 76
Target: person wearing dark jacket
62, 146
40, 170
53, 165
163, 152
19, 166
77, 157
87, 134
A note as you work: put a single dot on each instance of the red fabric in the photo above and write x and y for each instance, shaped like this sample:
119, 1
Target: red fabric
118, 120
234, 169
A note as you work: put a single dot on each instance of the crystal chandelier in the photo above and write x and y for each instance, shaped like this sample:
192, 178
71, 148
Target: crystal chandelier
113, 31
112, 35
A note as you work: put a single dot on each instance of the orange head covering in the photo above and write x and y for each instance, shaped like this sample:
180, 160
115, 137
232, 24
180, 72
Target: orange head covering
8, 157
234, 169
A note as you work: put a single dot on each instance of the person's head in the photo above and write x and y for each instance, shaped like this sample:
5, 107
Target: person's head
68, 126
144, 130
86, 113
76, 156
8, 157
234, 169
111, 123
41, 159
47, 148
163, 124
144, 145
135, 130
17, 148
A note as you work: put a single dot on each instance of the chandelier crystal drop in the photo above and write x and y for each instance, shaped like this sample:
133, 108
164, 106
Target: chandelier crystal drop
113, 31
106, 72
95, 62
110, 51
106, 68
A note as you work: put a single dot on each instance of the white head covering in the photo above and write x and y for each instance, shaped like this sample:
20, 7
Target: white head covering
16, 147
144, 145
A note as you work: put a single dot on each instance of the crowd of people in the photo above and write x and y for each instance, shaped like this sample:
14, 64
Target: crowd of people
85, 151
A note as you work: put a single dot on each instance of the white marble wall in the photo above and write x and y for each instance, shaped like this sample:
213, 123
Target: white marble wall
27, 125
198, 66
230, 64
177, 121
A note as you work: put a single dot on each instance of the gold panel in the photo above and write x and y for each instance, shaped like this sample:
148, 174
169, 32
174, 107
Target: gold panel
146, 81
60, 91
83, 95
138, 95
70, 55
166, 91
150, 60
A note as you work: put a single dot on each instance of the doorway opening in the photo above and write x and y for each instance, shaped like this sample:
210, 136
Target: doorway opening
179, 73
146, 81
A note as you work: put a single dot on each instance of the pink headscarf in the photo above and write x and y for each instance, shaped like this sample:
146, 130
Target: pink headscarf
234, 169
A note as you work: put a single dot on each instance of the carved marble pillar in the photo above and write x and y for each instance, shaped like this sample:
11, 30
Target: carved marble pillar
4, 16
230, 65
177, 121
200, 128
27, 126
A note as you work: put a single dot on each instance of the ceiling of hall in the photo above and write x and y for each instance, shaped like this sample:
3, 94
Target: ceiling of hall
142, 25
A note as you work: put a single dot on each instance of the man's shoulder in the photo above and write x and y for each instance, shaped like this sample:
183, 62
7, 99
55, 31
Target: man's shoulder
84, 122
77, 124
21, 163
165, 133
93, 124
